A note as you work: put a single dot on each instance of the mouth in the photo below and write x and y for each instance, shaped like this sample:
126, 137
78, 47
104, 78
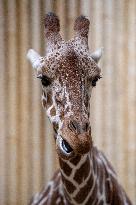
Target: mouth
65, 150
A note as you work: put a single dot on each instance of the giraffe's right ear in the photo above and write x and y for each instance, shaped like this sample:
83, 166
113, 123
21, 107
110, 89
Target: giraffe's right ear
35, 59
96, 55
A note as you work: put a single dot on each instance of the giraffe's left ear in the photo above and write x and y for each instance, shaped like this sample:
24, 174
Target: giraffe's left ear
35, 59
97, 55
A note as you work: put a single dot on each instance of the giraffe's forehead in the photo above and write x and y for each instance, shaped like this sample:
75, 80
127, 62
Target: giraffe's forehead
70, 60
70, 65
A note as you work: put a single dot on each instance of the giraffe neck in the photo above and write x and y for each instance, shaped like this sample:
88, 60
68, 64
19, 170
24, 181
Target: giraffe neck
78, 178
88, 179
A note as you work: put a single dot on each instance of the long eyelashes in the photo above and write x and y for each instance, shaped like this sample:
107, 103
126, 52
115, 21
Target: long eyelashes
46, 81
95, 80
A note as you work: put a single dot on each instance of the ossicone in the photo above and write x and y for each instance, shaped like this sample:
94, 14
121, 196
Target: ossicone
81, 26
51, 23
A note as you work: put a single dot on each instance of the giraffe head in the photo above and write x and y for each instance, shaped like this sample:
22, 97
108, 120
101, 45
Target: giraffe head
68, 73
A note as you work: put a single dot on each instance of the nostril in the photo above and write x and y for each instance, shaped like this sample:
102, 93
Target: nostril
73, 125
66, 146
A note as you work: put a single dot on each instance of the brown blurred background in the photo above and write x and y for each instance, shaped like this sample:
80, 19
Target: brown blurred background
27, 151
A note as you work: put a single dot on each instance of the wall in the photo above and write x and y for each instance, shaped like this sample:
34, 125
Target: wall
27, 151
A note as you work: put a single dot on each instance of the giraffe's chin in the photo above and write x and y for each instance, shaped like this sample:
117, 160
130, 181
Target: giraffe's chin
63, 148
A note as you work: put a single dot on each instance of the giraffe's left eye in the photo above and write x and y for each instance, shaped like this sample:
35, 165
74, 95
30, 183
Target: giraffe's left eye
95, 80
46, 81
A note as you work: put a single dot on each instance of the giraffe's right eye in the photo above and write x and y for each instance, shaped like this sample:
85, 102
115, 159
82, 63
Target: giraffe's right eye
46, 81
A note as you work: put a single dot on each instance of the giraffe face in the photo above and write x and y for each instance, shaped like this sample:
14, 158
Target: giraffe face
66, 95
68, 73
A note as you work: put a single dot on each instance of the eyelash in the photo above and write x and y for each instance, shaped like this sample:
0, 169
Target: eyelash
44, 80
95, 80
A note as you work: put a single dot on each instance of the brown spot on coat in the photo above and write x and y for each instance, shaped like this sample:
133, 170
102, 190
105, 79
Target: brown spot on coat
93, 195
68, 185
85, 191
65, 167
85, 170
75, 160
53, 111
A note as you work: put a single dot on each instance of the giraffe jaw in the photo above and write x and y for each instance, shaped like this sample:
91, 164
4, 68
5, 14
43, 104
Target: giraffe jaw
63, 148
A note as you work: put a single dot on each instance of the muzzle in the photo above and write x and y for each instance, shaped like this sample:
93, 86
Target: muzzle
74, 138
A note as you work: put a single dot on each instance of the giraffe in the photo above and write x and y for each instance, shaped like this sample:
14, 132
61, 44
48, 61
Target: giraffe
68, 73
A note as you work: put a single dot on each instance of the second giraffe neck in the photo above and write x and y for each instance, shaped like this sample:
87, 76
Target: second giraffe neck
78, 178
